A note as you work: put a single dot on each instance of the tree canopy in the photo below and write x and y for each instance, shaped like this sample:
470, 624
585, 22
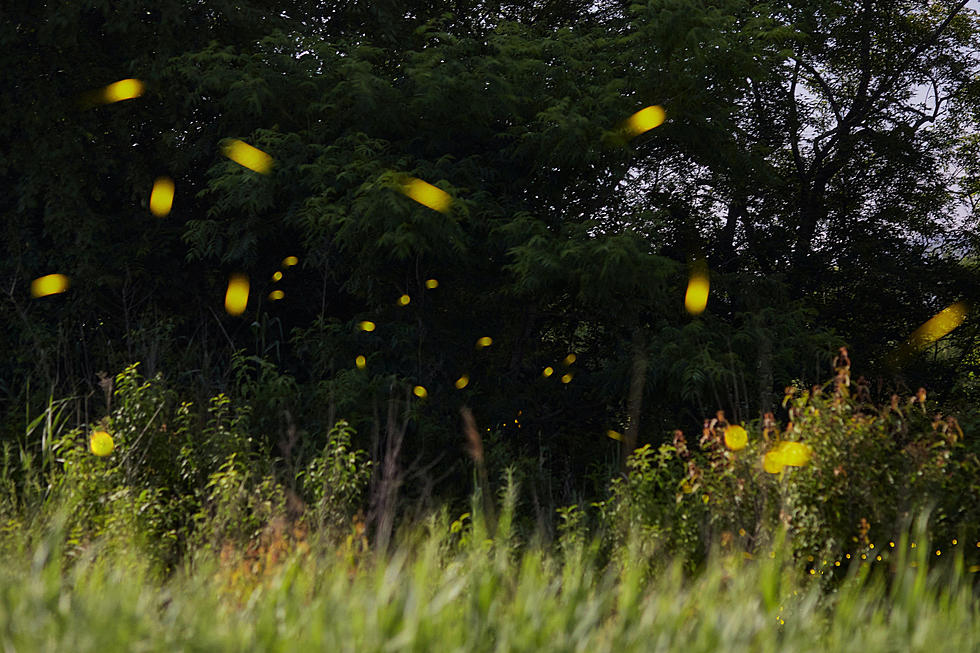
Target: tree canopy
820, 158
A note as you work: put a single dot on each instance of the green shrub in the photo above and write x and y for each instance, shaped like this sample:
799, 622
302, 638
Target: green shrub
861, 474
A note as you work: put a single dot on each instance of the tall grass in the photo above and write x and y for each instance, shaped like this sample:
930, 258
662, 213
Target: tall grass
437, 591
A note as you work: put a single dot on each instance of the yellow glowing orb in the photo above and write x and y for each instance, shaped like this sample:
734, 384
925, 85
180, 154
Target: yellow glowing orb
772, 462
50, 284
462, 382
404, 300
162, 196
938, 326
289, 261
361, 362
366, 325
236, 297
548, 371
615, 435
276, 295
569, 359
431, 284
795, 454
250, 157
644, 120
566, 378
124, 89
485, 341
100, 443
420, 392
736, 437
428, 195
696, 298
276, 276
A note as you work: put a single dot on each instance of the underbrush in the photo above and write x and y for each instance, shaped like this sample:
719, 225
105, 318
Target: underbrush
441, 590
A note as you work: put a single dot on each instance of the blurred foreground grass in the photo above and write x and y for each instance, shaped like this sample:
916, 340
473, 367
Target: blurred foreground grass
438, 591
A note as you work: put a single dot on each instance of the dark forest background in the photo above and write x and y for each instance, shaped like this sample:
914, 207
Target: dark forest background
820, 156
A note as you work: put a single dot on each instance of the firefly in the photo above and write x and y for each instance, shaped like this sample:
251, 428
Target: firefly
162, 196
236, 297
427, 195
250, 157
50, 284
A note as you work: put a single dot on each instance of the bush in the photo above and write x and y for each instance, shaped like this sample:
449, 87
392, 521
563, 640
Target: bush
842, 476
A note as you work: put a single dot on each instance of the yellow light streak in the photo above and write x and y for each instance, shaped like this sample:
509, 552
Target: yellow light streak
644, 120
427, 195
696, 298
162, 196
236, 297
366, 325
250, 157
289, 261
276, 295
50, 284
462, 382
124, 89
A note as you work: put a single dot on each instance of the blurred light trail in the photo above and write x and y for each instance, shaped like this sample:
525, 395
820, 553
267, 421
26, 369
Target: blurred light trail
236, 297
50, 284
162, 196
696, 298
250, 157
427, 195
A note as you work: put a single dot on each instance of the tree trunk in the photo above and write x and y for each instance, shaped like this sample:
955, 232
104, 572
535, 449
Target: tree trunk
634, 406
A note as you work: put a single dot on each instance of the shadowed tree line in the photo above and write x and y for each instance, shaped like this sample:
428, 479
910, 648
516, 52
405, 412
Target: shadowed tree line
820, 156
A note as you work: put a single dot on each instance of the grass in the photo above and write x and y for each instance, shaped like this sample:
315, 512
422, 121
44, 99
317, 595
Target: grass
438, 592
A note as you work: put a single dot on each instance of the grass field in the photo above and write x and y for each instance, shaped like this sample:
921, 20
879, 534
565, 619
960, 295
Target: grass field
439, 592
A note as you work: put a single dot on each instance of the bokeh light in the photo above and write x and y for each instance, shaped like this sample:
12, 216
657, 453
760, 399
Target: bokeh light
772, 462
100, 443
361, 362
404, 300
485, 341
236, 297
124, 89
250, 157
615, 435
162, 196
795, 454
289, 261
736, 437
939, 325
548, 371
420, 392
462, 382
644, 120
696, 298
566, 378
431, 284
571, 358
50, 284
276, 295
427, 195
366, 325
276, 276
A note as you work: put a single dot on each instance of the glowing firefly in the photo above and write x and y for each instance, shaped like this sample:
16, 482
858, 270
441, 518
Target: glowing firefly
50, 284
250, 157
289, 261
485, 341
462, 382
696, 298
236, 297
431, 284
366, 325
361, 362
162, 196
644, 120
100, 443
124, 89
427, 195
276, 295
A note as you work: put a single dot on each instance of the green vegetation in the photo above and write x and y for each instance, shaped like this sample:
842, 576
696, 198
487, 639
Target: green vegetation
415, 323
